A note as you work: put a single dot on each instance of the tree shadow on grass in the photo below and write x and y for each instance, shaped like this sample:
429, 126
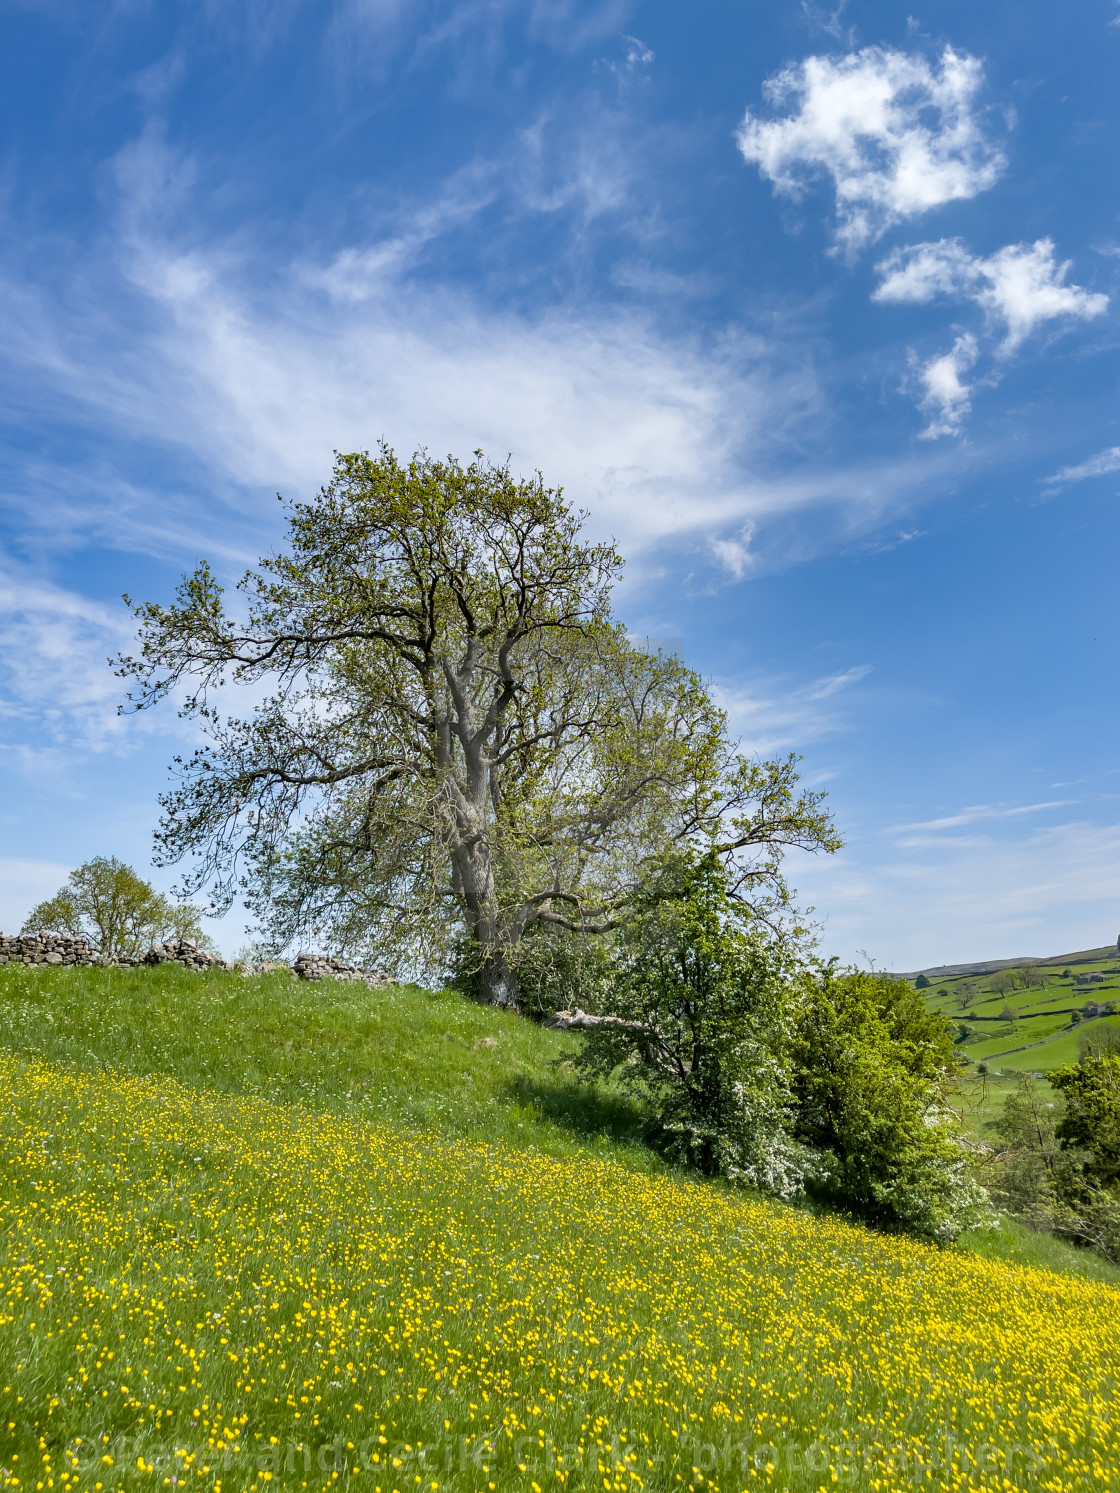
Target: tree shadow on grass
585, 1109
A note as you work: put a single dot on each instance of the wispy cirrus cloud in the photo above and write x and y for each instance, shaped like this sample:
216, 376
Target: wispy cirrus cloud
247, 382
772, 715
897, 135
979, 812
949, 900
1101, 465
54, 672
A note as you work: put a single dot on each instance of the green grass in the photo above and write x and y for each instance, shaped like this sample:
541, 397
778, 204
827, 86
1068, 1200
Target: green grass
400, 1055
222, 1291
413, 1059
261, 1226
1058, 1053
1014, 1243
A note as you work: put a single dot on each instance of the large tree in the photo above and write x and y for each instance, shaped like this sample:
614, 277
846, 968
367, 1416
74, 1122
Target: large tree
459, 741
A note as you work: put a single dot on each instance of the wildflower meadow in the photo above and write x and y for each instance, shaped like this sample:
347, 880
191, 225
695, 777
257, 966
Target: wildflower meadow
220, 1291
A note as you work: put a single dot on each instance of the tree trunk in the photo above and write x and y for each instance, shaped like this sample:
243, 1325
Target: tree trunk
474, 880
497, 982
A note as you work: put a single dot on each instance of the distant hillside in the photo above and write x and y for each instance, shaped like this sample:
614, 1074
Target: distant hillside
990, 966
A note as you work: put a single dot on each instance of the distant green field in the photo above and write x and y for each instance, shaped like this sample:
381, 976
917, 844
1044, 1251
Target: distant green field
1040, 1031
1062, 1050
1039, 1035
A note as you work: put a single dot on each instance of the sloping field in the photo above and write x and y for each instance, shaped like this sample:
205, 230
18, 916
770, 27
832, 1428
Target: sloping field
221, 1291
1041, 1018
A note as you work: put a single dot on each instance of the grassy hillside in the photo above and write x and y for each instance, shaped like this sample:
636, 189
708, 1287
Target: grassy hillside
446, 1265
401, 1055
1030, 1030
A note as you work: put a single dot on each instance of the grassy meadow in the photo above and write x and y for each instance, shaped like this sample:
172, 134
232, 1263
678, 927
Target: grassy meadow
1040, 1035
257, 1232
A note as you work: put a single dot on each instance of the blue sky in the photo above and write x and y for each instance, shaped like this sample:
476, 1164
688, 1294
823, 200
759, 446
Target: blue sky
814, 309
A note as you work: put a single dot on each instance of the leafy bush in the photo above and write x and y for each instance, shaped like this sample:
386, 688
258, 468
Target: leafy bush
873, 1070
763, 1072
702, 1000
1057, 1166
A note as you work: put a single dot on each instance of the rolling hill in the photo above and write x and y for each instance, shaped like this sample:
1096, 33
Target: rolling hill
256, 1231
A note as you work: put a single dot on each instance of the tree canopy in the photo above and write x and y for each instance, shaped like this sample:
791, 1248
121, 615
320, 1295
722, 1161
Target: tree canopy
459, 744
120, 914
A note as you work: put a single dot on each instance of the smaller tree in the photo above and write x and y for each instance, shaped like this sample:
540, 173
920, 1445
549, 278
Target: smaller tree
116, 911
1097, 1039
873, 1072
1005, 980
1091, 1123
1029, 1167
1059, 1166
967, 993
699, 1026
921, 983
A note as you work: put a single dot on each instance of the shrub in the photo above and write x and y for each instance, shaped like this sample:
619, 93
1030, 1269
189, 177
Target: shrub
702, 999
766, 1073
873, 1070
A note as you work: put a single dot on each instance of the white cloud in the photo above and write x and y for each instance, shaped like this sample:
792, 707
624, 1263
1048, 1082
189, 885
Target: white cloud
767, 716
637, 55
897, 135
734, 554
1097, 466
1018, 288
54, 674
945, 397
1051, 891
819, 18
978, 812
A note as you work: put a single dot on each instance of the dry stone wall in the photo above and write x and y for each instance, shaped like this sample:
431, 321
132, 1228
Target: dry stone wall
41, 948
323, 967
45, 949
